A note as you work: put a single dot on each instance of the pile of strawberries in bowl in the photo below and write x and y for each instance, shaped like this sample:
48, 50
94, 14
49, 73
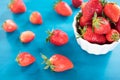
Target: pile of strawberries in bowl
97, 26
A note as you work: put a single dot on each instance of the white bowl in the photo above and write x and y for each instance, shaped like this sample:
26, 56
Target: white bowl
93, 48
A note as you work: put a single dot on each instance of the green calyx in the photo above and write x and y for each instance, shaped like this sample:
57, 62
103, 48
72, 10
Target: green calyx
82, 31
115, 37
47, 62
56, 3
50, 33
103, 2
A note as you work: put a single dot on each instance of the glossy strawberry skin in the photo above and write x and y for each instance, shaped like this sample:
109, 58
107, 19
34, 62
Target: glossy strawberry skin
112, 11
9, 26
59, 38
17, 6
60, 63
27, 36
77, 3
92, 37
113, 35
63, 9
25, 59
36, 18
104, 26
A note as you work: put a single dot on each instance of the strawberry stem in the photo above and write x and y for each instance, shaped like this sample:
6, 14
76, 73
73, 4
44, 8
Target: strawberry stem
50, 33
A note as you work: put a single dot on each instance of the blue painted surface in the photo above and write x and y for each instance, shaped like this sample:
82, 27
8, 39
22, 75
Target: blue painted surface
86, 66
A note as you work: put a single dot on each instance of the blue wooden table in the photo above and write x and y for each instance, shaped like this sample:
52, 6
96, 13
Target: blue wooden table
86, 66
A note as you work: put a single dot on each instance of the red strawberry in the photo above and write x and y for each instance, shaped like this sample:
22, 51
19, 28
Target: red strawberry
83, 5
57, 63
89, 35
112, 11
25, 59
83, 21
9, 26
17, 6
27, 36
100, 25
91, 7
63, 8
118, 25
36, 18
113, 35
57, 37
77, 3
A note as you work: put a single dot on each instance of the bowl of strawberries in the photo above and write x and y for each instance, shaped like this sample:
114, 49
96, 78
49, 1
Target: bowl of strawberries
97, 26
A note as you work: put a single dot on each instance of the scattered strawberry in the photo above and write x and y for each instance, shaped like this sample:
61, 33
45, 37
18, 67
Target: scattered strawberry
89, 35
17, 6
57, 63
9, 26
77, 3
100, 25
113, 35
63, 8
118, 25
36, 18
27, 36
57, 37
25, 59
112, 11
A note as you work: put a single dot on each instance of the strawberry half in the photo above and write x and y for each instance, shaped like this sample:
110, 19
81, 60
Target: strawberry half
57, 63
9, 26
25, 59
113, 35
17, 6
57, 37
100, 25
112, 11
27, 36
63, 8
36, 18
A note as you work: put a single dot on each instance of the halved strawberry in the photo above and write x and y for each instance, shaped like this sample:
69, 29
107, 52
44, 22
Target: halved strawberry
25, 59
36, 18
63, 8
57, 37
9, 26
17, 6
113, 35
57, 63
27, 36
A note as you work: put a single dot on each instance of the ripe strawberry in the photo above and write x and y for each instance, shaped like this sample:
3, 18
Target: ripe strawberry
17, 6
118, 25
25, 59
89, 35
91, 7
27, 36
100, 25
83, 5
36, 18
77, 3
9, 26
113, 35
57, 63
57, 37
63, 8
83, 21
112, 11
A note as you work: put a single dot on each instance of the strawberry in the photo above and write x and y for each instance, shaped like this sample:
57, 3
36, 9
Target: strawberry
100, 25
113, 35
83, 5
112, 11
17, 6
90, 8
9, 26
25, 59
89, 35
27, 36
57, 63
57, 37
77, 3
118, 25
63, 8
36, 18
